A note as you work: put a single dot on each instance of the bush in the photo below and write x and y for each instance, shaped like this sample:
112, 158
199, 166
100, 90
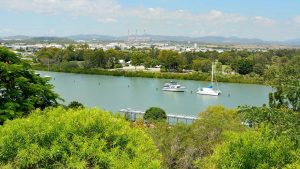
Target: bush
81, 138
252, 149
75, 104
181, 145
155, 114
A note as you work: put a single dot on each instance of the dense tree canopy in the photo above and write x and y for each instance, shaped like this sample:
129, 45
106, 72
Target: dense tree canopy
243, 62
155, 114
80, 138
21, 90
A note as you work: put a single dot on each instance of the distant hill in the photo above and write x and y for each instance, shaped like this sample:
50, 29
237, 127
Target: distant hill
28, 39
206, 39
17, 37
92, 37
157, 38
293, 41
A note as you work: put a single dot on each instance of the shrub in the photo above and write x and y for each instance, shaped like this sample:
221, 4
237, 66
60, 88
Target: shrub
75, 104
252, 149
81, 138
155, 114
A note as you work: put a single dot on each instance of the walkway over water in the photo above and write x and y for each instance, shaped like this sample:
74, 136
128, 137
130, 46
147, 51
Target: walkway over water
132, 115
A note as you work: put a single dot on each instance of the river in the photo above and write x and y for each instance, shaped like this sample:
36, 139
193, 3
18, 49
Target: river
114, 93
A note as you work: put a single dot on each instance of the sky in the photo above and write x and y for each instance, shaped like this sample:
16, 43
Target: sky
275, 20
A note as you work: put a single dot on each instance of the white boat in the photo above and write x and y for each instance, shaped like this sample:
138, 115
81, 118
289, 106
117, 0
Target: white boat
173, 87
210, 89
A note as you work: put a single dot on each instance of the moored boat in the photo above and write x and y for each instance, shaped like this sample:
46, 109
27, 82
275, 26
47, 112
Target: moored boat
173, 87
210, 89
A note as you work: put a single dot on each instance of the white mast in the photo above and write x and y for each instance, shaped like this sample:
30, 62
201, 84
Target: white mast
212, 74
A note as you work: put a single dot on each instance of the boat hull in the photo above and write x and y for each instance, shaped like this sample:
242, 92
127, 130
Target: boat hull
174, 89
209, 93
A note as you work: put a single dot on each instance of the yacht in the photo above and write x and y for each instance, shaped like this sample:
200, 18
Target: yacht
210, 89
173, 87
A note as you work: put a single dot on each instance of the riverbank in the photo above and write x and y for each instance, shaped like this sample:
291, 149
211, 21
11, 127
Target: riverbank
198, 76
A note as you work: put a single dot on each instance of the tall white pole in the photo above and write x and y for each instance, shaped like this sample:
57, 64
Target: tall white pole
212, 73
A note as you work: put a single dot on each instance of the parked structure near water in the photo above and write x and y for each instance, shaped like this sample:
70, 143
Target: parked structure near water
132, 115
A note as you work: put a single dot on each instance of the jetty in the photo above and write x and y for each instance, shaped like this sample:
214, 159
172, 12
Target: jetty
132, 115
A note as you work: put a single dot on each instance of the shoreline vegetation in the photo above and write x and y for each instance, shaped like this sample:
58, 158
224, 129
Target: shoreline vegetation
197, 76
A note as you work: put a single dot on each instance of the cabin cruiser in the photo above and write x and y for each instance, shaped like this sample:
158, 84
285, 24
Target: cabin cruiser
173, 87
210, 89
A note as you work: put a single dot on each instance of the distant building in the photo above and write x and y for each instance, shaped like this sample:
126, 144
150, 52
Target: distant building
138, 38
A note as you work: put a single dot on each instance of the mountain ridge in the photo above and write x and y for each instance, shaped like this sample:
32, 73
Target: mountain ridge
203, 39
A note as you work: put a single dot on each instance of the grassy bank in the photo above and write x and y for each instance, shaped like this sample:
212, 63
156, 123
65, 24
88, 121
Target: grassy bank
160, 75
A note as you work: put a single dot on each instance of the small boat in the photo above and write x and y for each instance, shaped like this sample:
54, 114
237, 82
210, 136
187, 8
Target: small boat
210, 89
173, 87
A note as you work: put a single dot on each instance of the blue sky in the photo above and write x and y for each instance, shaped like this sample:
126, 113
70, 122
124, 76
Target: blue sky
264, 19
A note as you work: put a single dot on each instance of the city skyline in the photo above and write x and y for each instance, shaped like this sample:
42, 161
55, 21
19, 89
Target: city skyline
267, 20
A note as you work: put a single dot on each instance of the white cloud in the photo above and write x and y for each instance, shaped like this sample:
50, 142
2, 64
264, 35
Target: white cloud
109, 11
296, 19
264, 21
107, 20
73, 7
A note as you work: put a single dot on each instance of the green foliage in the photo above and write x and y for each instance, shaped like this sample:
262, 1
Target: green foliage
80, 138
155, 114
287, 88
75, 105
7, 56
137, 58
182, 144
281, 121
21, 90
243, 66
243, 62
252, 149
171, 60
259, 69
203, 65
218, 67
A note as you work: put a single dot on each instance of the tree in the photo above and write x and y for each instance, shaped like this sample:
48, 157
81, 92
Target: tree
137, 58
90, 58
75, 105
228, 70
75, 138
197, 64
203, 65
155, 114
285, 81
148, 62
171, 60
21, 90
259, 69
101, 58
219, 67
243, 66
225, 58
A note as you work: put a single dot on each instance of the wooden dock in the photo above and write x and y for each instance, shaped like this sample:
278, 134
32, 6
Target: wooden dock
132, 115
